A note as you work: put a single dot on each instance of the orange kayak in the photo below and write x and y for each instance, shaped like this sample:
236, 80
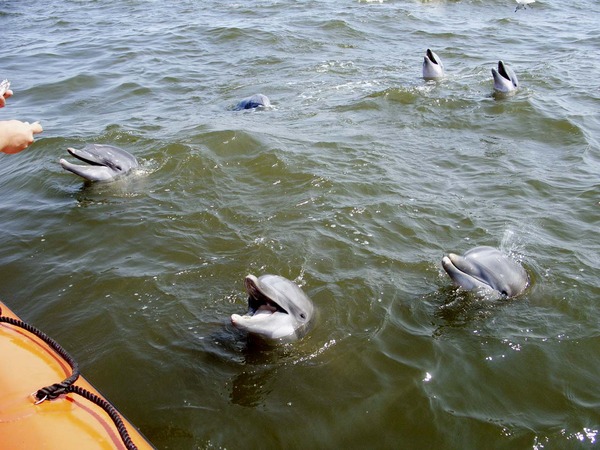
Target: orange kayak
70, 421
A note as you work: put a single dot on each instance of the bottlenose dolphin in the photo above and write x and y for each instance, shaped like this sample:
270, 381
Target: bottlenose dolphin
255, 101
505, 79
432, 66
486, 268
106, 162
277, 309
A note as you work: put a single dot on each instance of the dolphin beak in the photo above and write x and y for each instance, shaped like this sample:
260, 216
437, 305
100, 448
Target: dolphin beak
458, 264
91, 173
447, 262
84, 156
462, 272
95, 170
456, 267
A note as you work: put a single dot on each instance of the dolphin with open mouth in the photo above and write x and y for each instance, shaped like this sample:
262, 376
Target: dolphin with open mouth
433, 68
486, 268
106, 162
277, 309
505, 79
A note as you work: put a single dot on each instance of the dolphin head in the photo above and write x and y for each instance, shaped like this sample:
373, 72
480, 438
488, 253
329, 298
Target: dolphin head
486, 268
277, 309
255, 101
505, 79
432, 66
105, 162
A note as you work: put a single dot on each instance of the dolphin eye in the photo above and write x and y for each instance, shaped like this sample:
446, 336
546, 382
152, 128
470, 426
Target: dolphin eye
504, 293
303, 315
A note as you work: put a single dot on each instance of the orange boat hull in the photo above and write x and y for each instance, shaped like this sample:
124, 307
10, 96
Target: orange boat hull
68, 422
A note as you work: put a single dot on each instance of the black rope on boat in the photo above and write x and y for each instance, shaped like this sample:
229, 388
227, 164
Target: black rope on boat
53, 391
110, 410
66, 386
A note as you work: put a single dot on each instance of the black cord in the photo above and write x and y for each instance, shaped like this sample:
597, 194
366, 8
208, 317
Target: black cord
64, 387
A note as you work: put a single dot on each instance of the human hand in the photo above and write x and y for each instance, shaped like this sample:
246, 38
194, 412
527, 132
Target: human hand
16, 136
5, 92
3, 98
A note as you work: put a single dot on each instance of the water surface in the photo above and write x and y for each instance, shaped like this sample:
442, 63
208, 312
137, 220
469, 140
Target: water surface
354, 184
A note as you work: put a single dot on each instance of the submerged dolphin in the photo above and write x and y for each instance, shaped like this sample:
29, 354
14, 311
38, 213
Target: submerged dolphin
487, 268
432, 66
522, 4
505, 79
277, 309
255, 101
106, 162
